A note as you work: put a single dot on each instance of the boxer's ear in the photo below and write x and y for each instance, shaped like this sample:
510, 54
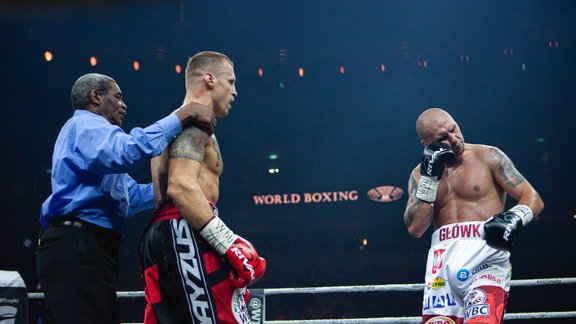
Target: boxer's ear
209, 80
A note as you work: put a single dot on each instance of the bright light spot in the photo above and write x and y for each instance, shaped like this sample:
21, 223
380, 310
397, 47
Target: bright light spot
382, 68
523, 67
178, 68
273, 156
301, 72
260, 72
273, 170
27, 242
48, 56
136, 66
341, 70
364, 241
93, 61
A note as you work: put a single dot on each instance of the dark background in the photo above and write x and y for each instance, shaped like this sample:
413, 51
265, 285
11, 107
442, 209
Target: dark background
503, 69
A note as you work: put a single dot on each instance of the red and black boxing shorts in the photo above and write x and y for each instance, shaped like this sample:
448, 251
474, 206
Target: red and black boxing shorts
186, 280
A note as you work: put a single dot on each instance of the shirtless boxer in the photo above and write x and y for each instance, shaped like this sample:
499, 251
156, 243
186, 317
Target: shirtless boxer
462, 189
196, 270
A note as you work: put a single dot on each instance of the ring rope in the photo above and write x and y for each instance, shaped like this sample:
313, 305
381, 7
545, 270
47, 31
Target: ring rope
418, 319
405, 287
380, 288
375, 320
343, 289
366, 288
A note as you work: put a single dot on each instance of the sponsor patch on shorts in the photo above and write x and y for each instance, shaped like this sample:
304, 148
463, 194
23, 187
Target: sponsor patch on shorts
476, 305
463, 274
437, 262
438, 283
239, 308
439, 301
440, 320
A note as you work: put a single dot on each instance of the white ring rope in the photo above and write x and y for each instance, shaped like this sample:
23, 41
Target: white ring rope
380, 288
399, 320
410, 320
367, 288
404, 287
343, 289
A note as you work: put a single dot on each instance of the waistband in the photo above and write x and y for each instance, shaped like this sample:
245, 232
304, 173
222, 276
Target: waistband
168, 211
458, 231
94, 229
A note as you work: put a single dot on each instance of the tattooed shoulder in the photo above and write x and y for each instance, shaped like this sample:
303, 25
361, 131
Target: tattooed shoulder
505, 167
217, 149
190, 144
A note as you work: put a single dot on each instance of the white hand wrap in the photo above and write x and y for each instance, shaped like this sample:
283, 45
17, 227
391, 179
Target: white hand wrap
427, 188
524, 212
218, 235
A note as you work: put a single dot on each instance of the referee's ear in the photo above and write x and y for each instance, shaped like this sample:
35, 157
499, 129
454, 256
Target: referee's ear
95, 97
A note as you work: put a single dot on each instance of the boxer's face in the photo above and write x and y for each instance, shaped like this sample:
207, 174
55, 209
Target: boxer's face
444, 129
224, 90
111, 104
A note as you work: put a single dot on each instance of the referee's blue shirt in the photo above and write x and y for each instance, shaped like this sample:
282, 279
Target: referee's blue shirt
89, 165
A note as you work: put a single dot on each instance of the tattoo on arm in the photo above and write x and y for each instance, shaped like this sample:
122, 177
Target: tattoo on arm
217, 149
413, 200
506, 168
190, 144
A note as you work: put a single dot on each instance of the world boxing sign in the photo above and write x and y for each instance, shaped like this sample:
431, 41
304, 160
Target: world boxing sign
306, 198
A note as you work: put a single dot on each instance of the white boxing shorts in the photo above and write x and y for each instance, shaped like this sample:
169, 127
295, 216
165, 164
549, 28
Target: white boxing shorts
466, 280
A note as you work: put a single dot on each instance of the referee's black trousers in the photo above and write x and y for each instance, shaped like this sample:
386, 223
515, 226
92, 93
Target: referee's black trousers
77, 271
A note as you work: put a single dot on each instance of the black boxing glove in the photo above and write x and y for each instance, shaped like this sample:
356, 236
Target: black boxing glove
501, 229
434, 158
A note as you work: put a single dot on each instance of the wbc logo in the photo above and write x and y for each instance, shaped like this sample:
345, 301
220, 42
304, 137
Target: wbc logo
476, 304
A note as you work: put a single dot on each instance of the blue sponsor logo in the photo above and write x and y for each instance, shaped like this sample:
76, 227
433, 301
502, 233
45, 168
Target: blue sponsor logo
463, 274
482, 310
439, 301
481, 268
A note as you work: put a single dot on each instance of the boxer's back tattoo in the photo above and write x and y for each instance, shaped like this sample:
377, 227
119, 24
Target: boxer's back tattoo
506, 168
190, 144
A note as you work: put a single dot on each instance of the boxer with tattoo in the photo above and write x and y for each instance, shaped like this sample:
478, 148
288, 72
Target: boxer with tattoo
93, 196
461, 189
196, 270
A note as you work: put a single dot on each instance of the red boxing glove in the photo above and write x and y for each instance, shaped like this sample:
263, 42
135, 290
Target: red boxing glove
248, 267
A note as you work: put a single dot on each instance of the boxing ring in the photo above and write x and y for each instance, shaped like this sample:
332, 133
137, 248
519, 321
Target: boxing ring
257, 301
